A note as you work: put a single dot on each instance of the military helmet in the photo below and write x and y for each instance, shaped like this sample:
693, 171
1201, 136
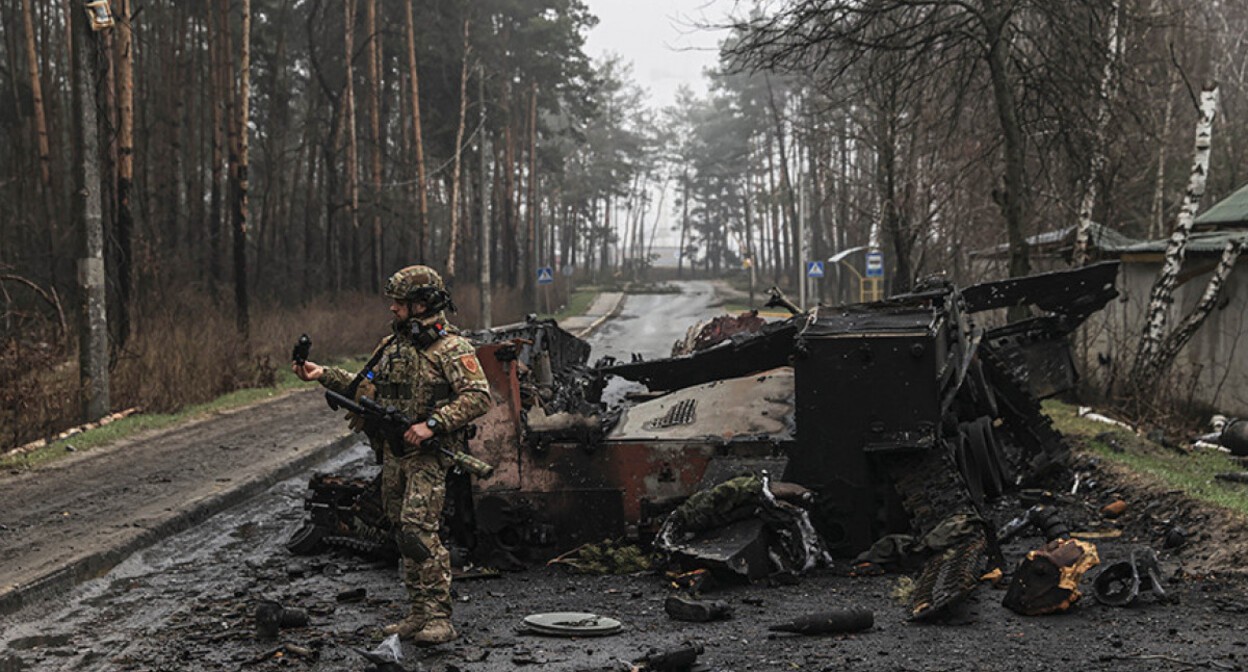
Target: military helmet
419, 283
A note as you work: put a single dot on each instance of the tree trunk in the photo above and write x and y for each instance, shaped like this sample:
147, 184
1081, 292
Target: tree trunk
1012, 199
219, 94
483, 233
1099, 141
36, 90
455, 170
125, 171
93, 374
241, 180
530, 243
374, 112
1162, 294
1184, 331
1156, 222
422, 193
353, 172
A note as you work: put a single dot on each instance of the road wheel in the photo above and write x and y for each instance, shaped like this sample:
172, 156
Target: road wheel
306, 540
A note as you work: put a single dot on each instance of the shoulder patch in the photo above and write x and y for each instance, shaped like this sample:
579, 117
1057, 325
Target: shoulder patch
469, 362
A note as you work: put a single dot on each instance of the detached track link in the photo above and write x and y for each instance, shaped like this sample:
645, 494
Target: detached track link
1044, 448
932, 489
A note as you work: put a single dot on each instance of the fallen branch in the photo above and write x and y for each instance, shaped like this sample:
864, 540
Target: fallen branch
53, 299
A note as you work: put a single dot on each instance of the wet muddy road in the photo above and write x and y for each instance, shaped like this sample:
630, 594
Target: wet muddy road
187, 603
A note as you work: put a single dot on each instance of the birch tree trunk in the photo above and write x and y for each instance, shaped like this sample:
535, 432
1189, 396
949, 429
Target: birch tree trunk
1097, 163
422, 192
530, 246
1162, 294
453, 238
1184, 331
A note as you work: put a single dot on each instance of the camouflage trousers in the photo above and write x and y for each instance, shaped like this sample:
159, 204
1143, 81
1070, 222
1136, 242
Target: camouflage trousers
413, 490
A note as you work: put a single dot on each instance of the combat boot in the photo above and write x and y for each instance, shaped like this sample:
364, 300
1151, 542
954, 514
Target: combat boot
413, 624
436, 631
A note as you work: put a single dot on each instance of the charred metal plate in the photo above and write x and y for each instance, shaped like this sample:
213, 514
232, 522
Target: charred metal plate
739, 548
1077, 293
723, 467
751, 408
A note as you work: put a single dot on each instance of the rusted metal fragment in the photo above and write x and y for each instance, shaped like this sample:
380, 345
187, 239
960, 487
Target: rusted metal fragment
717, 330
740, 355
1047, 580
829, 622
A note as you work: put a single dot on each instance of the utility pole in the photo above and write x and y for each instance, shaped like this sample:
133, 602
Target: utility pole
88, 210
487, 304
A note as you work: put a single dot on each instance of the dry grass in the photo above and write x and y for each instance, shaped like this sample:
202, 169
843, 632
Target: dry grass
180, 353
184, 351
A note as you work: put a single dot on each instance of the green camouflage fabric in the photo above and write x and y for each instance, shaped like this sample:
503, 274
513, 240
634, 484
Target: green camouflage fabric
403, 284
443, 381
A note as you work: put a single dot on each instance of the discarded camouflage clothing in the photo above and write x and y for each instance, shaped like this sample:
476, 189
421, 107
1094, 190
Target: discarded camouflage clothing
442, 381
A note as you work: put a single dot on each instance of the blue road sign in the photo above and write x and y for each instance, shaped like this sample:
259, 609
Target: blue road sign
875, 264
814, 269
545, 275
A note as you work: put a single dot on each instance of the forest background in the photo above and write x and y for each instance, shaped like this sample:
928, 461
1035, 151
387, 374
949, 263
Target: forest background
264, 164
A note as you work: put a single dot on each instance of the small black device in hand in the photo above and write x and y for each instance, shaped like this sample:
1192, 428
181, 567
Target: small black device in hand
302, 348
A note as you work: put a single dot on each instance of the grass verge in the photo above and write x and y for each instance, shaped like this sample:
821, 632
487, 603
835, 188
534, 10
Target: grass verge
1192, 472
578, 304
140, 422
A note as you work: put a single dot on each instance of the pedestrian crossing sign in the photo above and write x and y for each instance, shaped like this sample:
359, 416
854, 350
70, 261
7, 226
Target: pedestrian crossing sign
545, 275
814, 269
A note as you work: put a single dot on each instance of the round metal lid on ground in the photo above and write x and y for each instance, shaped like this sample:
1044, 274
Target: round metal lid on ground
572, 624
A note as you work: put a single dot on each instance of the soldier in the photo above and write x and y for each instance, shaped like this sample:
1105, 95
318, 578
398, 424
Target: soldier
431, 373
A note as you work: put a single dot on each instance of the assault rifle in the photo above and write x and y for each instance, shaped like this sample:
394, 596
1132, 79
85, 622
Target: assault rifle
394, 424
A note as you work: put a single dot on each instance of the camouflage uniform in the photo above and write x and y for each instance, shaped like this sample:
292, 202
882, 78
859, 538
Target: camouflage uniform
442, 381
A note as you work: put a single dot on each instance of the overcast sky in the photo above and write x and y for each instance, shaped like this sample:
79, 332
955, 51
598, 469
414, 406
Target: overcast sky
659, 37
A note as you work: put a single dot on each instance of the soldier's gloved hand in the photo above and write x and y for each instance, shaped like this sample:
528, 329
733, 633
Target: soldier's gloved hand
355, 423
417, 433
309, 371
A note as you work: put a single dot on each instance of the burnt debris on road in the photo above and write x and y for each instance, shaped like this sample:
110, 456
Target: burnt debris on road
764, 449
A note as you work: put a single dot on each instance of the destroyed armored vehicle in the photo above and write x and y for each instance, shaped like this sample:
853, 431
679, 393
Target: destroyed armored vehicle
897, 415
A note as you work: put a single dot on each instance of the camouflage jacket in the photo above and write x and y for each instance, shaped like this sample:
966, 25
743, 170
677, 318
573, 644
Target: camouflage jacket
443, 381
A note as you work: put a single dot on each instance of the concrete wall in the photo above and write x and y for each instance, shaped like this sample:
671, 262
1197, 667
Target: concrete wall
1211, 370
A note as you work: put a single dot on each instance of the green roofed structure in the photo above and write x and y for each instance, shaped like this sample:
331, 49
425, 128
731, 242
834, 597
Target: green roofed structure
1228, 213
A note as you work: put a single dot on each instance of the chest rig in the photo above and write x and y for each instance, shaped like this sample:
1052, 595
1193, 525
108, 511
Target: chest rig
405, 372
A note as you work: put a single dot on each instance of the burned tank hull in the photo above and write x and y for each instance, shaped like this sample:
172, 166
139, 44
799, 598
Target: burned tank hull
898, 415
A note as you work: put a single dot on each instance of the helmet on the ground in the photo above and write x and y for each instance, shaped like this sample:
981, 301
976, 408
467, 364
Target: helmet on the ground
419, 284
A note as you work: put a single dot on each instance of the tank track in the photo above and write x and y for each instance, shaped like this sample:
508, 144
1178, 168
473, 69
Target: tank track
948, 578
1043, 449
361, 546
931, 490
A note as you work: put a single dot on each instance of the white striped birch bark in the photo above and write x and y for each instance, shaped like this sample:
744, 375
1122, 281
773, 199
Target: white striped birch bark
1191, 324
1097, 162
1162, 294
